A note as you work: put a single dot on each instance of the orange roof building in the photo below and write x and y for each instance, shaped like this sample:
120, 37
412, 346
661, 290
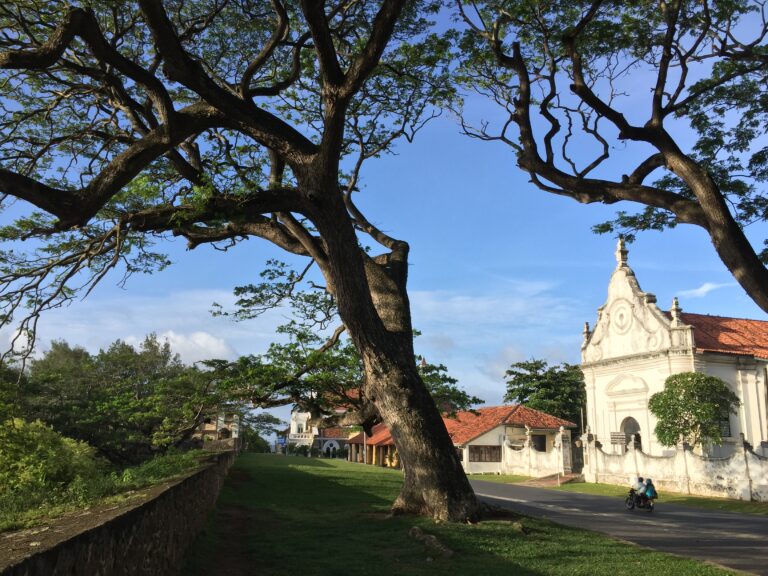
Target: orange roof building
635, 346
488, 441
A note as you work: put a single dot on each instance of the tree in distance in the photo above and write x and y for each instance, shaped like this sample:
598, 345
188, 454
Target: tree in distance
218, 122
128, 403
692, 408
602, 95
557, 390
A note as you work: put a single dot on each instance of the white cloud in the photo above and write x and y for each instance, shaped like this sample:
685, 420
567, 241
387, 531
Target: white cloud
704, 289
194, 346
478, 336
181, 317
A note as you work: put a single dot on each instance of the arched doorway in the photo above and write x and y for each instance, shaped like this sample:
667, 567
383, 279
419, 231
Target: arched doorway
330, 448
630, 426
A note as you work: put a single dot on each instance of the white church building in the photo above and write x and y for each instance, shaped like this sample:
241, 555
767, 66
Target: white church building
633, 347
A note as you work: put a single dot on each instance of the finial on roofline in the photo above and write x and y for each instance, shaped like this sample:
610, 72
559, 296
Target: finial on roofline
621, 252
675, 311
586, 331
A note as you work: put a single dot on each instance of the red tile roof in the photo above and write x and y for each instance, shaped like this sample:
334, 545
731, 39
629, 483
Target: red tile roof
728, 335
467, 425
380, 437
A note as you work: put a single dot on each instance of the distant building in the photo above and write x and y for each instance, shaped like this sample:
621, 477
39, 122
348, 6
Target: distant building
509, 439
219, 427
328, 441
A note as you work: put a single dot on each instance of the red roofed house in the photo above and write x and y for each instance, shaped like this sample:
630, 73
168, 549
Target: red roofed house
495, 440
635, 346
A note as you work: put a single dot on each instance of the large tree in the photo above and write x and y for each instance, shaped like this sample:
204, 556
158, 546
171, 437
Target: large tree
221, 121
602, 95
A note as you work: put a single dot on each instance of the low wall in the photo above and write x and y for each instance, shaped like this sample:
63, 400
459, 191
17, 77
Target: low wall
149, 539
527, 461
742, 475
234, 444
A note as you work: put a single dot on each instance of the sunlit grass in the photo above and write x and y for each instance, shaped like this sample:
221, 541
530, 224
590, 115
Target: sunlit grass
289, 515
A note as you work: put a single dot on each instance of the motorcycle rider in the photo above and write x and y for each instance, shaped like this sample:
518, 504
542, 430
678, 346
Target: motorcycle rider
639, 487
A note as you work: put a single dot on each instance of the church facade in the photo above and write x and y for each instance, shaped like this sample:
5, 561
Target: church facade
635, 345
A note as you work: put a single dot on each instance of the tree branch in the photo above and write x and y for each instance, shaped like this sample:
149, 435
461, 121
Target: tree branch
330, 70
368, 59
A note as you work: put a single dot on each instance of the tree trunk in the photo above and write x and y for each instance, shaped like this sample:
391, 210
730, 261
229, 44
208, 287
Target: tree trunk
373, 304
434, 481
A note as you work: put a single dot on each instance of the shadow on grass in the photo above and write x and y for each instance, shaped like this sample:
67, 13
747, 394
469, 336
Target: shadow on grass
281, 515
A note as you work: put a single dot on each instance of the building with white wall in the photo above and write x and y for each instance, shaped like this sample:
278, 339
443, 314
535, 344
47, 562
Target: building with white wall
635, 346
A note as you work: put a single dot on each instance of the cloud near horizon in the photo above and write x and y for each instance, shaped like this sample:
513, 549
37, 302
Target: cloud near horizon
477, 336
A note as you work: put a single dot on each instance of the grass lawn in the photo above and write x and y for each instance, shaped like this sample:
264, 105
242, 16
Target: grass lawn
282, 515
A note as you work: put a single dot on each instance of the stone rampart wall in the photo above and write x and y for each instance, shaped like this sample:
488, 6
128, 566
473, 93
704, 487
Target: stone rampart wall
149, 539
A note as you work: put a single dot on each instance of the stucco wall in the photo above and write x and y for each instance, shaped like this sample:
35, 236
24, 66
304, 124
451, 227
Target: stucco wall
742, 475
530, 462
526, 461
148, 540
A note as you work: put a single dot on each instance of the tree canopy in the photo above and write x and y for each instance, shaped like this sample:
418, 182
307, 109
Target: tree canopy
125, 122
127, 402
601, 97
692, 408
557, 390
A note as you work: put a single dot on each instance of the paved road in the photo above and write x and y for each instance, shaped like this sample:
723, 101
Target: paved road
738, 541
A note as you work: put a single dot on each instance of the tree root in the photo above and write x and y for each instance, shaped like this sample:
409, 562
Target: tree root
430, 541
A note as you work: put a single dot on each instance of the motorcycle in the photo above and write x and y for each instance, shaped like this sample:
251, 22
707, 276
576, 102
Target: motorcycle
635, 500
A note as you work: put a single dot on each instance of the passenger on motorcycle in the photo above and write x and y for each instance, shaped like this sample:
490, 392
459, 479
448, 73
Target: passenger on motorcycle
650, 490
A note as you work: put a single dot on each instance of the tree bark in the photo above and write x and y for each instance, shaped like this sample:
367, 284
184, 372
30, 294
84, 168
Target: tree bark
434, 482
373, 304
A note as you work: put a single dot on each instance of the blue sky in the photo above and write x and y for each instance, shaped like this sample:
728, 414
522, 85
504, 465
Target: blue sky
500, 272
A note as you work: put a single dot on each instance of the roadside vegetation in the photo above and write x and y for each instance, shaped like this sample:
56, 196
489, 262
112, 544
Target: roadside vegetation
44, 474
76, 427
290, 515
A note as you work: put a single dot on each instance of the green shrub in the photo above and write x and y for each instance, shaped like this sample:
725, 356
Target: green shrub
44, 474
36, 461
157, 469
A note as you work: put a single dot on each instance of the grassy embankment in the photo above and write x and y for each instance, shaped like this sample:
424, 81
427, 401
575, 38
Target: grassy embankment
291, 515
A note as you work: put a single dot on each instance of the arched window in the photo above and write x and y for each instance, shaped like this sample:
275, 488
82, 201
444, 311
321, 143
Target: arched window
630, 426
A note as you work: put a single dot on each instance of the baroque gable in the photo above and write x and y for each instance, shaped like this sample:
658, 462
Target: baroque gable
630, 322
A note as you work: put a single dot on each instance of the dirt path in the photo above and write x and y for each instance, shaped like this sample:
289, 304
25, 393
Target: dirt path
229, 542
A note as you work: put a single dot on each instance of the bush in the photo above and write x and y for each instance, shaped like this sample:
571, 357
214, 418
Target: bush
41, 469
157, 469
43, 473
35, 461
